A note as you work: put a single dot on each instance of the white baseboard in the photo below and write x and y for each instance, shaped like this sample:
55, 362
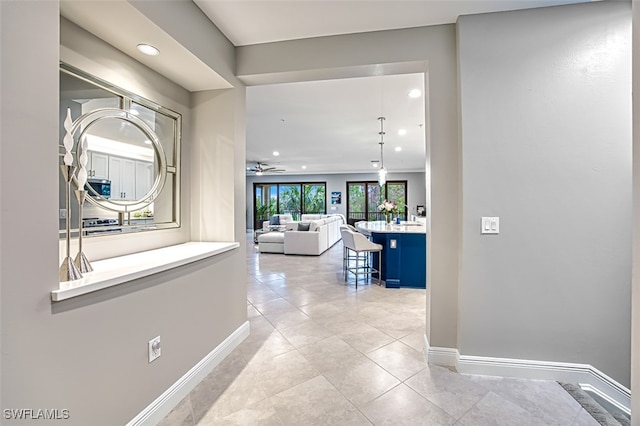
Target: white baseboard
447, 357
586, 376
163, 405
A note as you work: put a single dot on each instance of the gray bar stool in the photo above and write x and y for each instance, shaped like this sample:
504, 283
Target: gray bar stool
360, 245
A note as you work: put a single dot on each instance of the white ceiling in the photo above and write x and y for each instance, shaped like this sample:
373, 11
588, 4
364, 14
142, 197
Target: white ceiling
262, 21
329, 126
332, 126
120, 24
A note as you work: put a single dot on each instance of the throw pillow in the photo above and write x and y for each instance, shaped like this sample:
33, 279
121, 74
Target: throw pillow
275, 220
303, 226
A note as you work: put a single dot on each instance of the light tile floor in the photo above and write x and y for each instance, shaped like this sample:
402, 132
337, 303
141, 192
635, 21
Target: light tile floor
321, 352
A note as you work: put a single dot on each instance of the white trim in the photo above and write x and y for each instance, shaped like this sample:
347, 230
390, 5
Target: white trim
587, 376
426, 347
447, 357
163, 405
620, 406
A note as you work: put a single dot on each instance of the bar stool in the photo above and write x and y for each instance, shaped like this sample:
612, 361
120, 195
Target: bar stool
359, 244
346, 256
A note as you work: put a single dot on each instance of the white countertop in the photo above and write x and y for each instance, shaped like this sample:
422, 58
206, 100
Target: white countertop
381, 226
119, 270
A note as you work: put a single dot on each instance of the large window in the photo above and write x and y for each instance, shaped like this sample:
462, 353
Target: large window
363, 199
290, 198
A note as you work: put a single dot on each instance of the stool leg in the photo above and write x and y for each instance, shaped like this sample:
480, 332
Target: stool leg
357, 265
379, 268
345, 262
369, 263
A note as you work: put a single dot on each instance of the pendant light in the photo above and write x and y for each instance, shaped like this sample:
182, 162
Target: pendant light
382, 172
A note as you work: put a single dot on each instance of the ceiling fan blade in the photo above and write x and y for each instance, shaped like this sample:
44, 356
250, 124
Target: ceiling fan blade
264, 168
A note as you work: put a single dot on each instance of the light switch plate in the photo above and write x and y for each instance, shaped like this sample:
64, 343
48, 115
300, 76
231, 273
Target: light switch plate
490, 225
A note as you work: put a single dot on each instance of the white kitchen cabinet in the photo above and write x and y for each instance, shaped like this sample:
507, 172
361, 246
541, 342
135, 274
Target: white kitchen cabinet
144, 178
97, 165
122, 174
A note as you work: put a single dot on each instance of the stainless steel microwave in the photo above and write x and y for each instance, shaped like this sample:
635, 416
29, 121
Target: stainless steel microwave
102, 187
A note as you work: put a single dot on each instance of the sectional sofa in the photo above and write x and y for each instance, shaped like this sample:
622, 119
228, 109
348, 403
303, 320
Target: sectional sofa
312, 235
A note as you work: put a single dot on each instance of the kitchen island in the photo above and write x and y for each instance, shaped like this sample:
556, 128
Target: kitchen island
404, 253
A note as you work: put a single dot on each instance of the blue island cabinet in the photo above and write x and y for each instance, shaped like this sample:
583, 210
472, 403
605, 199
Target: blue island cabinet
404, 259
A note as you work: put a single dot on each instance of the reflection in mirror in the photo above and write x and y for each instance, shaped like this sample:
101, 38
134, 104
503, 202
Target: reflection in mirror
136, 166
133, 150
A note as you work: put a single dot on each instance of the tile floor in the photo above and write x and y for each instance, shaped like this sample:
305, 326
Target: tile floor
322, 353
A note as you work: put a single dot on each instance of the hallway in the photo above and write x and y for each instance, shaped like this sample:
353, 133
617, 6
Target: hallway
322, 353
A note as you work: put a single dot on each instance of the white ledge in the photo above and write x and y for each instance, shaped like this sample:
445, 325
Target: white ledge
122, 269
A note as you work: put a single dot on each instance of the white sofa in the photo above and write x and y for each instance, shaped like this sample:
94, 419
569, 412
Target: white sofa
283, 219
323, 233
271, 242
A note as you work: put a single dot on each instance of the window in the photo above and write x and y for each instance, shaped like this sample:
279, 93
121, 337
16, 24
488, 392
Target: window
363, 199
288, 198
314, 198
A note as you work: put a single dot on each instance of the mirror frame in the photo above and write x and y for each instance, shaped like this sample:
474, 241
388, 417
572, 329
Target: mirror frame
85, 121
168, 169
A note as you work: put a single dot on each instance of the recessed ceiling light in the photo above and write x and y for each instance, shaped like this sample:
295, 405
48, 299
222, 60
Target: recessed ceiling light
276, 153
415, 93
402, 132
374, 164
148, 142
304, 167
398, 148
148, 49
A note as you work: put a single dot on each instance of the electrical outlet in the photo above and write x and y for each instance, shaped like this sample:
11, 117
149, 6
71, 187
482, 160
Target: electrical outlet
154, 348
62, 214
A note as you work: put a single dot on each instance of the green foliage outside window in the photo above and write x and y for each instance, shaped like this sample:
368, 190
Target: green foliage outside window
314, 198
363, 199
290, 198
397, 193
264, 210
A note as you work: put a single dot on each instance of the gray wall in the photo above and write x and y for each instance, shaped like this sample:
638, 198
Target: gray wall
89, 354
338, 182
635, 320
546, 146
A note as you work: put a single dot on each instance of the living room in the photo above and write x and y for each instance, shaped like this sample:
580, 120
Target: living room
332, 132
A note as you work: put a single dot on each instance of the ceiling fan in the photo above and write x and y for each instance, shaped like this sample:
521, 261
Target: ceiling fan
260, 168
